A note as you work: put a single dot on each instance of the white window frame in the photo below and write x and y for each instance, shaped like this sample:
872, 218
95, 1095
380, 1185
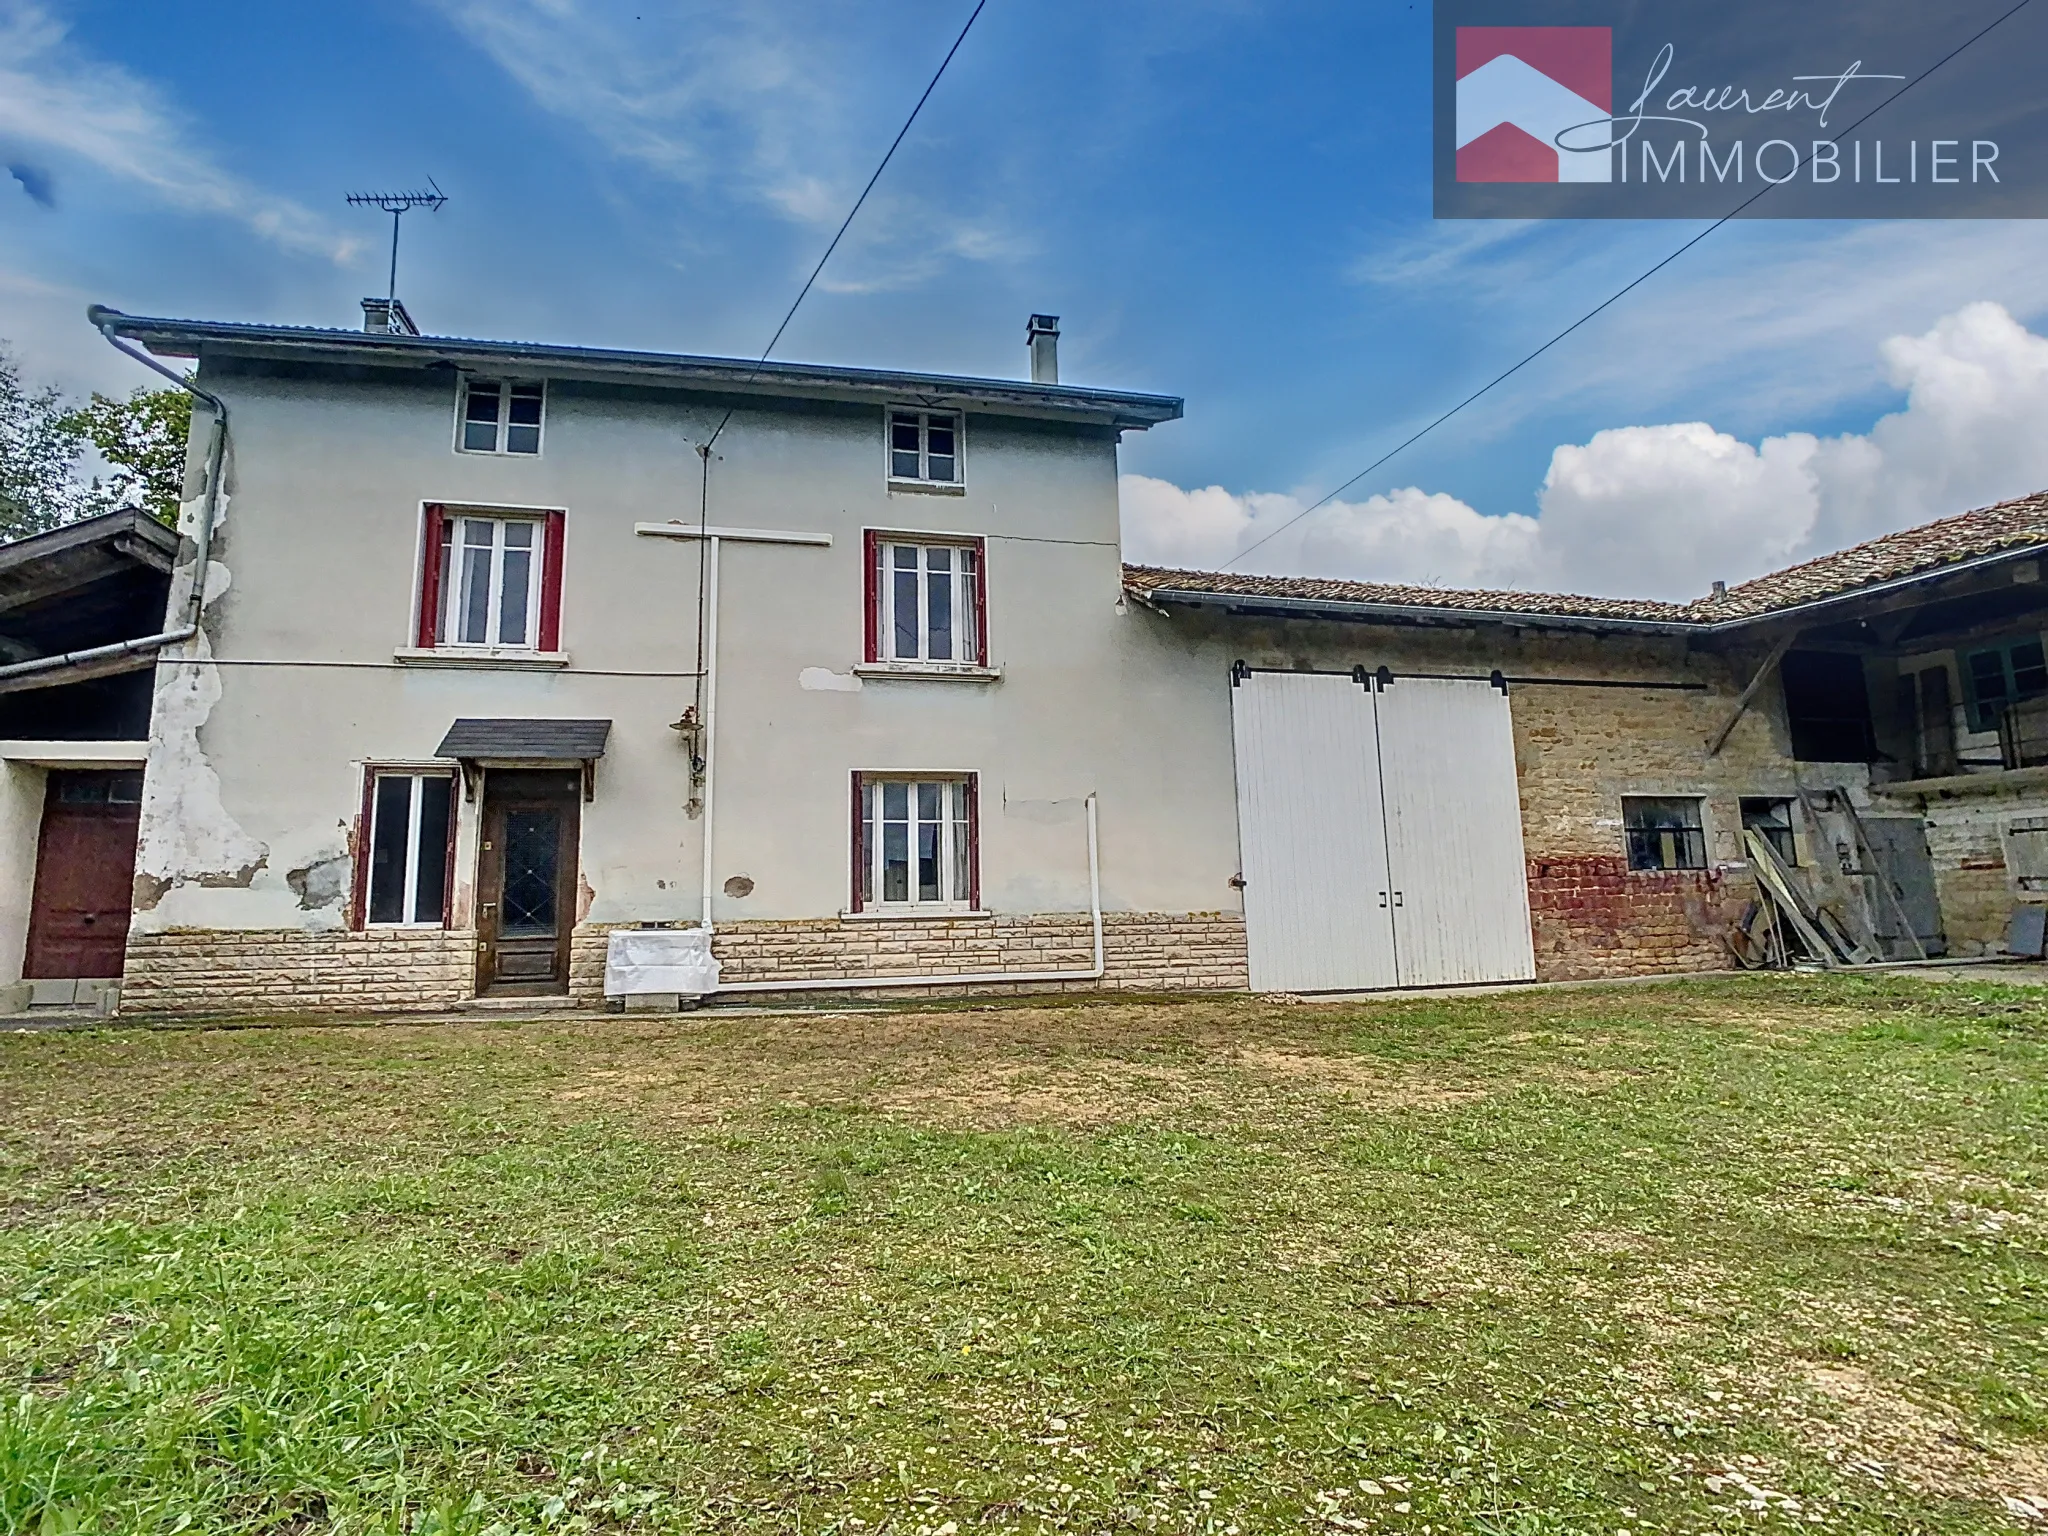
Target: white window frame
410, 887
504, 388
956, 863
956, 419
966, 589
452, 579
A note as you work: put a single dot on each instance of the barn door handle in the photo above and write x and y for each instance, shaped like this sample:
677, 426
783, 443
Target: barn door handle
1383, 898
1397, 898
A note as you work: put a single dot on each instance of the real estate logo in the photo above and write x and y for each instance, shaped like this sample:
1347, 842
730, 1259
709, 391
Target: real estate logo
1522, 90
1710, 109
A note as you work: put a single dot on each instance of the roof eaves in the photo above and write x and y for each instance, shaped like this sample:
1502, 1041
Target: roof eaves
1270, 605
184, 338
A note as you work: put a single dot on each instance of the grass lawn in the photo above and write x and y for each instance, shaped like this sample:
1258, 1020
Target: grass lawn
1756, 1254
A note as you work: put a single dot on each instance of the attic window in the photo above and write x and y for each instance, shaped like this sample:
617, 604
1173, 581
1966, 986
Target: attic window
501, 417
924, 447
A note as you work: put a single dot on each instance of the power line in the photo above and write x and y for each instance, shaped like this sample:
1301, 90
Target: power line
1616, 296
864, 191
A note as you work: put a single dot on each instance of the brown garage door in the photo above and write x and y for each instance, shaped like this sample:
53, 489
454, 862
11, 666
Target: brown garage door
85, 874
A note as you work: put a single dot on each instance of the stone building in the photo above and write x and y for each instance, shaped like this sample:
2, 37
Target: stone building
501, 650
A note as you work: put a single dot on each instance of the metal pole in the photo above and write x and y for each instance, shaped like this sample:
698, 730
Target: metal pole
391, 290
709, 668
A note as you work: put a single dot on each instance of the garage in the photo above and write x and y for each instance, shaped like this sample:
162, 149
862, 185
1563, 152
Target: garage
1380, 831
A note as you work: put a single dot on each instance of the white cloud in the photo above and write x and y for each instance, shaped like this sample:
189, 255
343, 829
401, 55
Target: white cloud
1662, 511
84, 110
757, 103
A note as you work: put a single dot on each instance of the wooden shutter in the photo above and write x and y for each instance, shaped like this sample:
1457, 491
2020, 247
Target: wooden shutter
974, 842
430, 576
871, 595
858, 842
551, 583
359, 909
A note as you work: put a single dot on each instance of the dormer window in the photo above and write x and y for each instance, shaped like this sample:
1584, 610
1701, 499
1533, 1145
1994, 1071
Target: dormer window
499, 416
924, 448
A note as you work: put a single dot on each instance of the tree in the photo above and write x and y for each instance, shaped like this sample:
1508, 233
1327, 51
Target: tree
39, 447
143, 438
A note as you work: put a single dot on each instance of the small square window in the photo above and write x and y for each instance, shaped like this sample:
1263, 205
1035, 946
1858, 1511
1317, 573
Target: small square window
924, 446
1664, 833
501, 417
2003, 676
1772, 818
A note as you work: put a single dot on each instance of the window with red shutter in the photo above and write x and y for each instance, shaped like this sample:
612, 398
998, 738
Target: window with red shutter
491, 580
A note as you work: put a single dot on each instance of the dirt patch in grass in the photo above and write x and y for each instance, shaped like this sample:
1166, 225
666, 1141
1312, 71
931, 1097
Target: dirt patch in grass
1888, 1435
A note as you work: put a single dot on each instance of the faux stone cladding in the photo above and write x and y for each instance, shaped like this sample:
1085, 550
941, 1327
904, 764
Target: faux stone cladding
194, 970
216, 970
1595, 917
1142, 951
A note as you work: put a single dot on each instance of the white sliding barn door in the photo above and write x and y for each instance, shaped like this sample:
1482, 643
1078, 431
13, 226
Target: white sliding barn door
1454, 832
1310, 832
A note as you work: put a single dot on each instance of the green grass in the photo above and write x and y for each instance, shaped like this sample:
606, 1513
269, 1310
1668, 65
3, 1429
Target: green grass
1635, 1259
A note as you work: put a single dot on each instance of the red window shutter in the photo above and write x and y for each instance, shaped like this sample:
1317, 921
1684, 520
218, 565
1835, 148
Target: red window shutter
871, 595
359, 909
551, 583
974, 842
430, 575
859, 843
981, 651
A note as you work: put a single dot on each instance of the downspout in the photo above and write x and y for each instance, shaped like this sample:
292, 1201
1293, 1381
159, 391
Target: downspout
202, 538
710, 720
966, 978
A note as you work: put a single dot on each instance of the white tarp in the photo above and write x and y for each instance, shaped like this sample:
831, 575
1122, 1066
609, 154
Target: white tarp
642, 960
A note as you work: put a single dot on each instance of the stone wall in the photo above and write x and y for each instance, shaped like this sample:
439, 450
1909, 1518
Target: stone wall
1593, 916
1143, 951
214, 970
1966, 843
197, 970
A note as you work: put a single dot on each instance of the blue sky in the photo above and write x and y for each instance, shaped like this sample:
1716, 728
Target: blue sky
1223, 199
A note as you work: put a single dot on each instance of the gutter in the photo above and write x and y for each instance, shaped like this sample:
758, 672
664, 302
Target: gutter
963, 978
103, 320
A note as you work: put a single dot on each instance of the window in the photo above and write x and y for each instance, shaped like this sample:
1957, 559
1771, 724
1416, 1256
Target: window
1773, 819
1827, 707
924, 601
410, 825
2001, 676
1929, 722
96, 786
501, 417
915, 843
491, 580
1664, 833
924, 446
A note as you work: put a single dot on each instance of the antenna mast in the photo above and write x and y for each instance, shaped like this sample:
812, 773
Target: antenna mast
398, 204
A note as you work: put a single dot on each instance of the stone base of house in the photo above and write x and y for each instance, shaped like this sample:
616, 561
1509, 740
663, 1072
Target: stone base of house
1594, 917
225, 970
200, 970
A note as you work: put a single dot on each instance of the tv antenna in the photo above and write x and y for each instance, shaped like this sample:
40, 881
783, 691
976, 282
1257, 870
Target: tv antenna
398, 204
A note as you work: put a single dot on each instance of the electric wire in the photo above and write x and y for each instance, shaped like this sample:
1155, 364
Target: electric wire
704, 450
1618, 294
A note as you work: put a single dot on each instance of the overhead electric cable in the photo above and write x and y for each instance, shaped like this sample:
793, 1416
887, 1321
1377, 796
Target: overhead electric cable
1617, 295
894, 143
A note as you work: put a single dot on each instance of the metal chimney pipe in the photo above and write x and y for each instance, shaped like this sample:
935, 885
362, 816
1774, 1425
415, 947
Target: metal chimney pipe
1043, 337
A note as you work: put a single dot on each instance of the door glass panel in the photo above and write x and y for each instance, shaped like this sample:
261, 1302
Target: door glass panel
436, 803
391, 818
532, 856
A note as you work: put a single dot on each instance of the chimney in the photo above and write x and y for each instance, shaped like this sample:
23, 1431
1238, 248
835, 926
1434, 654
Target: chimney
1720, 591
1043, 337
387, 317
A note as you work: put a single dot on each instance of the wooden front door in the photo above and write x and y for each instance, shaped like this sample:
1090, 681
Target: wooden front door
85, 874
526, 880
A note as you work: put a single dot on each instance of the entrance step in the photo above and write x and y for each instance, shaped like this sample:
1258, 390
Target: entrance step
517, 1005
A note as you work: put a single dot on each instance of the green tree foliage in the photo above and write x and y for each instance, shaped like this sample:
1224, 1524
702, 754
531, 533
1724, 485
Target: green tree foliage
143, 439
39, 449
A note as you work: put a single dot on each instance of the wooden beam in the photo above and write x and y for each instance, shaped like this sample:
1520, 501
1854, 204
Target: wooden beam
1748, 695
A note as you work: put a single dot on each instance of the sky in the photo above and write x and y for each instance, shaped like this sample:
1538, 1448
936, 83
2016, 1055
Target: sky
1225, 200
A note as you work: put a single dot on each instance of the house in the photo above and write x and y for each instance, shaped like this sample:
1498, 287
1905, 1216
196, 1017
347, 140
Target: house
503, 649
